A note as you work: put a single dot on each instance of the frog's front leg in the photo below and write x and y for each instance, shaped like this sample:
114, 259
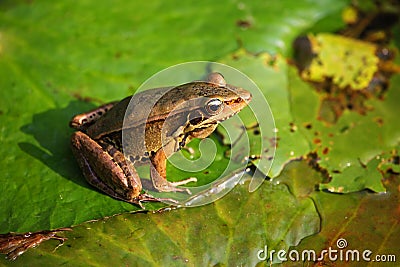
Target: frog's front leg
106, 169
158, 173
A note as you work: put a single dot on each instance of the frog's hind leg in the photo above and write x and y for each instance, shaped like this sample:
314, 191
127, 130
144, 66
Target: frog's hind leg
83, 121
108, 173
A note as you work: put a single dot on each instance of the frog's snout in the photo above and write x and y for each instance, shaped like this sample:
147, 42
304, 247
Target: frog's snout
244, 95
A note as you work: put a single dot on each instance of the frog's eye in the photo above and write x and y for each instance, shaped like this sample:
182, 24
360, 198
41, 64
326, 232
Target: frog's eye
216, 78
214, 106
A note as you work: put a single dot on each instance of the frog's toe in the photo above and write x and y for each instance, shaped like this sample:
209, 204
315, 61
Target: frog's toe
183, 182
173, 186
144, 197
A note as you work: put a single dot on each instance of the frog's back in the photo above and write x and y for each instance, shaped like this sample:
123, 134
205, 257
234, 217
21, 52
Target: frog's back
137, 107
155, 104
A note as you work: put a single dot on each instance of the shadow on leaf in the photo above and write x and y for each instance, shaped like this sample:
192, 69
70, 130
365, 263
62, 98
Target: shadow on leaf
51, 130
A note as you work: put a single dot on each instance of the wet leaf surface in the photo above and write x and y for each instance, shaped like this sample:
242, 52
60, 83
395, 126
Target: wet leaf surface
351, 149
228, 231
366, 221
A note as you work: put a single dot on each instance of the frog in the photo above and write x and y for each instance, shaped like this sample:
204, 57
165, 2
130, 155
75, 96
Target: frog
147, 128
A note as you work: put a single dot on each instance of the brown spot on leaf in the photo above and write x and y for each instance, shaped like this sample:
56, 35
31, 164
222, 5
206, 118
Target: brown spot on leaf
293, 127
308, 125
313, 159
379, 121
274, 141
244, 24
317, 141
396, 160
84, 98
325, 150
235, 57
118, 54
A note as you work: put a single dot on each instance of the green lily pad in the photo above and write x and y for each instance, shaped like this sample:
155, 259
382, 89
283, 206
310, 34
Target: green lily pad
357, 178
229, 231
348, 150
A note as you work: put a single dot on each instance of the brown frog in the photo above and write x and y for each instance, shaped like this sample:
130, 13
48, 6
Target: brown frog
149, 133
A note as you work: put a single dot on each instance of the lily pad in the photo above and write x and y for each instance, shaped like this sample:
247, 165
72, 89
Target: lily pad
229, 231
354, 223
348, 149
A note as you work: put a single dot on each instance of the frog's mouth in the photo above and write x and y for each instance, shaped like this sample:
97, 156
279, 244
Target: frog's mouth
231, 108
238, 104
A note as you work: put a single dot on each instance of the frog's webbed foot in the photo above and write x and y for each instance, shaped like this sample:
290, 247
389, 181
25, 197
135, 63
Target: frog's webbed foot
162, 185
144, 197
